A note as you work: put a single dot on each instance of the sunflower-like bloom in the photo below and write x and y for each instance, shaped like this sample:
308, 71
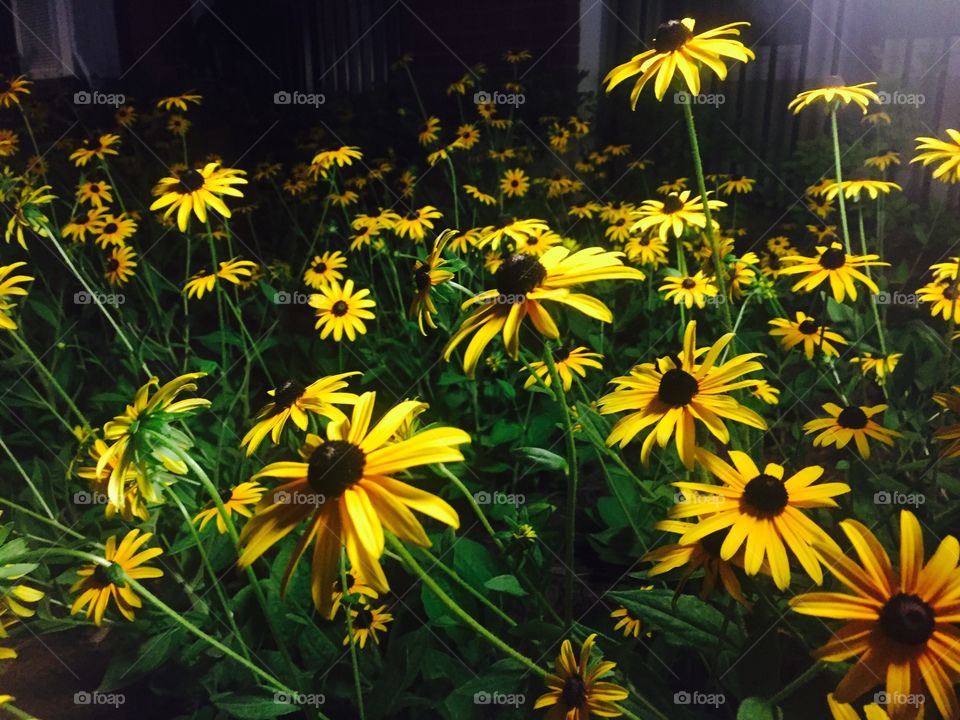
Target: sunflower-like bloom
197, 190
345, 490
884, 159
942, 297
235, 500
28, 215
646, 249
478, 194
83, 155
689, 290
16, 88
676, 48
762, 512
180, 102
136, 437
575, 691
936, 150
10, 287
8, 142
518, 231
293, 401
835, 95
430, 132
119, 267
416, 223
134, 505
807, 331
514, 183
675, 186
325, 268
900, 626
950, 434
341, 310
739, 186
235, 271
523, 282
114, 229
676, 213
670, 395
568, 360
341, 157
365, 622
853, 422
96, 193
355, 586
97, 588
426, 275
76, 230
880, 366
852, 189
833, 264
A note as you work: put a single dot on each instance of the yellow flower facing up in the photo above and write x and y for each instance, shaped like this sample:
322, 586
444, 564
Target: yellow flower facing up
96, 587
523, 283
365, 622
900, 625
10, 287
180, 102
82, 156
344, 488
119, 267
689, 290
427, 274
575, 690
807, 331
568, 360
677, 49
538, 242
14, 91
942, 297
946, 152
676, 213
760, 511
235, 500
97, 193
341, 310
834, 265
646, 249
515, 183
853, 422
882, 367
835, 95
195, 191
325, 268
670, 396
114, 229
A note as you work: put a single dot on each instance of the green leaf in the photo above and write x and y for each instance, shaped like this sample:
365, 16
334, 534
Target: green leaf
685, 621
544, 458
506, 584
755, 708
252, 707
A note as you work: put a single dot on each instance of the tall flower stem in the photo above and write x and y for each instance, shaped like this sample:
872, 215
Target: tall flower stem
873, 300
48, 376
573, 481
350, 636
461, 583
33, 488
453, 191
838, 174
220, 293
711, 233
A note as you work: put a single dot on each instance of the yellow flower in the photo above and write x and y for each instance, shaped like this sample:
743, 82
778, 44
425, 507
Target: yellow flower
324, 268
28, 215
341, 311
82, 156
341, 157
365, 622
689, 291
196, 190
416, 223
514, 183
568, 360
479, 195
833, 264
647, 250
852, 189
936, 150
180, 102
430, 132
467, 136
17, 87
235, 500
10, 287
806, 331
766, 392
96, 193
834, 95
880, 366
883, 160
673, 187
740, 186
427, 274
518, 231
853, 422
119, 267
8, 143
575, 691
178, 125
114, 229
676, 213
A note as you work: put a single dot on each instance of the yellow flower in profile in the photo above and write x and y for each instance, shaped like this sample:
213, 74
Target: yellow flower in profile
568, 360
479, 195
293, 401
523, 283
347, 197
877, 118
341, 310
340, 157
882, 160
344, 488
626, 623
9, 288
834, 265
8, 143
27, 214
677, 49
942, 297
518, 231
119, 267
134, 505
676, 213
689, 290
517, 56
515, 183
427, 274
325, 268
739, 186
196, 190
807, 331
936, 150
16, 88
852, 189
235, 500
83, 155
668, 397
766, 392
430, 132
180, 102
97, 588
574, 689
881, 367
835, 95
416, 223
853, 422
676, 186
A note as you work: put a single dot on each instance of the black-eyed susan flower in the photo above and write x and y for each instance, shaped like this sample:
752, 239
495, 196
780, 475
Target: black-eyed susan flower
538, 242
293, 401
575, 691
16, 88
677, 49
525, 533
936, 150
568, 360
119, 267
344, 199
355, 586
467, 136
134, 506
480, 196
852, 422
626, 623
9, 142
584, 210
28, 214
106, 145
766, 392
514, 183
416, 223
180, 102
523, 283
882, 160
942, 297
10, 287
950, 434
900, 626
96, 587
833, 264
876, 118
647, 249
178, 125
676, 213
345, 489
365, 622
853, 189
430, 132
673, 186
427, 274
236, 500
516, 56
741, 275
807, 331
114, 229
835, 95
670, 396
846, 711
518, 231
196, 190
97, 193
325, 268
761, 511
325, 160
341, 310
881, 367
126, 116
737, 186
689, 290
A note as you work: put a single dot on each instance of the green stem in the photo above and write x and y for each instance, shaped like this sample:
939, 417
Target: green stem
805, 677
220, 293
26, 478
17, 712
452, 574
353, 642
834, 129
36, 516
471, 500
48, 376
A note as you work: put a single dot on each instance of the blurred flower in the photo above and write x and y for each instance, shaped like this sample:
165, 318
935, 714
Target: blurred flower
568, 360
937, 150
835, 95
853, 422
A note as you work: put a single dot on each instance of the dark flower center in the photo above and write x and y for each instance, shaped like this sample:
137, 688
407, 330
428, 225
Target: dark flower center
421, 277
907, 619
112, 265
620, 222
773, 261
351, 581
100, 575
689, 283
532, 240
677, 387
809, 327
852, 418
671, 35
320, 267
339, 308
95, 189
518, 275
287, 394
364, 618
226, 494
413, 215
574, 693
191, 180
833, 258
672, 204
765, 495
514, 183
560, 354
950, 291
645, 241
713, 542
334, 467
109, 228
